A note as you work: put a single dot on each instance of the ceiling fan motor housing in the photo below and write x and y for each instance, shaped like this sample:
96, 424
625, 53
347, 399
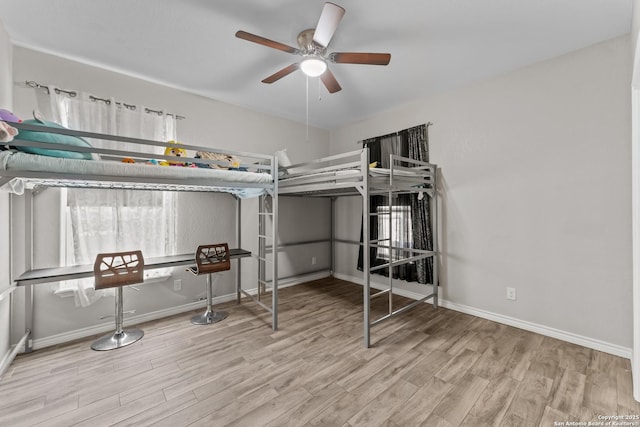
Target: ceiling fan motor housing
308, 46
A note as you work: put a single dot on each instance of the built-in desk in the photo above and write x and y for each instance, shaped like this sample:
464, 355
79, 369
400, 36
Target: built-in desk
58, 274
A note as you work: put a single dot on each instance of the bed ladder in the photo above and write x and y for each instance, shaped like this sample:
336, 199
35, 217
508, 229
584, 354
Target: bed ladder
403, 255
267, 243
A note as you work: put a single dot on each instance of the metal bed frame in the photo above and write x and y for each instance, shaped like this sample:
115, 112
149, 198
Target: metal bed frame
35, 182
349, 174
344, 174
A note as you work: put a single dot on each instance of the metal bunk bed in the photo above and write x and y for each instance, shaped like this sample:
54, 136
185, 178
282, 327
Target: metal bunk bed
255, 177
349, 174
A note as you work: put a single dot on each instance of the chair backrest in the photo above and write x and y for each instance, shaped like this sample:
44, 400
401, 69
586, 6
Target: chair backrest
118, 269
213, 258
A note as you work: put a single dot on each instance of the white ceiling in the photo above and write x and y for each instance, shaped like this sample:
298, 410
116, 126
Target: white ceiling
435, 45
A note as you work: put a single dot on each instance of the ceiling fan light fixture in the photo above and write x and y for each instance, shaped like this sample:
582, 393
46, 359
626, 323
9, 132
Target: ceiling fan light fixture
312, 48
313, 66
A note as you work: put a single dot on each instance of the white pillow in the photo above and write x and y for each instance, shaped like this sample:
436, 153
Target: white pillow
283, 161
283, 158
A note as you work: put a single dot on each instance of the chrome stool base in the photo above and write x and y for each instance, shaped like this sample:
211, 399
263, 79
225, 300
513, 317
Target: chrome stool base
209, 317
118, 340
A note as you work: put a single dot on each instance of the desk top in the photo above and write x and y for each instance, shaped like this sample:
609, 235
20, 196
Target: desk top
58, 274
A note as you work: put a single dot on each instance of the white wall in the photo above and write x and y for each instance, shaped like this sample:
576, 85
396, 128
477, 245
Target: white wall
6, 103
635, 162
203, 218
635, 23
535, 191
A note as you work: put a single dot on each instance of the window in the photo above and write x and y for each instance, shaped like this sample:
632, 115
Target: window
97, 221
118, 220
400, 230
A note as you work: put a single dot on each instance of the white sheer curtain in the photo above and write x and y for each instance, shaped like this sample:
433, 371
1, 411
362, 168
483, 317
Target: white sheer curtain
112, 220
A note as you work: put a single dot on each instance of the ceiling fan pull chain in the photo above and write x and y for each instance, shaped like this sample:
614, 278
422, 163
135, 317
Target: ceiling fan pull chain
319, 91
307, 80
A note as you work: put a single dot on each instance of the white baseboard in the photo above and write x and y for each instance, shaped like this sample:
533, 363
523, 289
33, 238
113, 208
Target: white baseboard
128, 320
588, 342
134, 320
11, 353
293, 281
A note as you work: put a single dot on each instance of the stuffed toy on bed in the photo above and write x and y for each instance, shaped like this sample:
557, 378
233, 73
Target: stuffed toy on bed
176, 151
233, 162
8, 116
7, 132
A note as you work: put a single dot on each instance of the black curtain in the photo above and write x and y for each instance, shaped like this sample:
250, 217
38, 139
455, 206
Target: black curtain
412, 143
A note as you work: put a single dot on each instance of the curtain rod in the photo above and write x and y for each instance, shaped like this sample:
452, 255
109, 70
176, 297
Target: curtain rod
73, 94
396, 133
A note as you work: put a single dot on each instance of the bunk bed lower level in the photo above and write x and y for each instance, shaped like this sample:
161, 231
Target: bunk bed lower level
352, 174
60, 157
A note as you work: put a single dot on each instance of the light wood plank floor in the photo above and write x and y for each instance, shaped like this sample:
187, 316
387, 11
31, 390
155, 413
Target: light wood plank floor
431, 367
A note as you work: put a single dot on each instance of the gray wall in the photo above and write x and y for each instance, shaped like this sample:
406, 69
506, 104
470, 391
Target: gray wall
203, 218
635, 23
535, 192
6, 103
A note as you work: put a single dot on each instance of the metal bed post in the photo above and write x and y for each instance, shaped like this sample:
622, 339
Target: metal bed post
262, 251
239, 245
274, 245
332, 242
25, 341
364, 168
390, 219
28, 264
434, 233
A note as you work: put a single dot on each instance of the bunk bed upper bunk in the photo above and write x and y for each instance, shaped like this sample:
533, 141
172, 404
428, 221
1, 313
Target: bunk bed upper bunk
352, 173
349, 173
47, 155
60, 157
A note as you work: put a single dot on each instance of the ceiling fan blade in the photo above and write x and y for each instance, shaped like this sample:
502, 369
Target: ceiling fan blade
328, 23
280, 74
330, 81
360, 58
266, 42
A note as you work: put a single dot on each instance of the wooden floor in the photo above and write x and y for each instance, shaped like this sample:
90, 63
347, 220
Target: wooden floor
431, 367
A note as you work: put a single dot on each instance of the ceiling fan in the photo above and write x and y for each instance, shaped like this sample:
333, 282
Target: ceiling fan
313, 45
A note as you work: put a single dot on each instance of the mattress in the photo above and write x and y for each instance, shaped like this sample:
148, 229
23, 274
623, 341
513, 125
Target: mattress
346, 181
27, 166
301, 175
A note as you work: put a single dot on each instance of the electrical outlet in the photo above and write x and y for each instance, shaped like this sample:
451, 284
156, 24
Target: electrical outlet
177, 285
313, 260
511, 294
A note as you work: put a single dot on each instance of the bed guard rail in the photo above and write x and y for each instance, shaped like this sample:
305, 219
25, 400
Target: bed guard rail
141, 150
